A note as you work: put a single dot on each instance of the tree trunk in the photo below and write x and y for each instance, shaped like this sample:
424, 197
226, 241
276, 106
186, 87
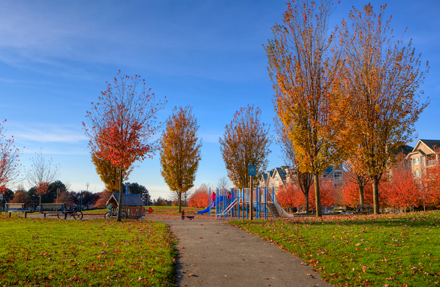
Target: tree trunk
179, 200
361, 193
121, 191
307, 202
317, 196
375, 184
40, 201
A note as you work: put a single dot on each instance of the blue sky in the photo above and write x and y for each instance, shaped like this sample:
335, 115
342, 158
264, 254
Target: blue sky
55, 57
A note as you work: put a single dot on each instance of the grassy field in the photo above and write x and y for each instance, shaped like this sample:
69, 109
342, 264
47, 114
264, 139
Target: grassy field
48, 252
384, 250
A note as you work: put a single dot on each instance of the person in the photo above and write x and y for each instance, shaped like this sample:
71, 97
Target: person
229, 196
212, 198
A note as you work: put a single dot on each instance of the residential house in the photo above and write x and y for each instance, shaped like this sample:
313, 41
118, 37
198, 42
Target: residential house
423, 156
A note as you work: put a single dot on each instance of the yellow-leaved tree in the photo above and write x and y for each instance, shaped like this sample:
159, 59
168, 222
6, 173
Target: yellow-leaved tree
382, 77
109, 173
303, 66
180, 151
245, 142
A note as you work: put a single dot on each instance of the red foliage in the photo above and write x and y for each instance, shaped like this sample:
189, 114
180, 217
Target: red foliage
103, 198
122, 123
8, 160
401, 189
350, 194
431, 186
199, 198
42, 188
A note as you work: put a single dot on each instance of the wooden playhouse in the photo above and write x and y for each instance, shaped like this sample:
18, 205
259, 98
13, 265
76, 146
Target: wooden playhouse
131, 203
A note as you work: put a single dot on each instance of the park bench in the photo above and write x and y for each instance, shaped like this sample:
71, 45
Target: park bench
339, 209
52, 208
16, 208
363, 209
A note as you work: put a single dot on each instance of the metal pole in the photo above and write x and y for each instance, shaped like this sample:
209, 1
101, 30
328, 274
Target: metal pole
265, 202
252, 199
209, 202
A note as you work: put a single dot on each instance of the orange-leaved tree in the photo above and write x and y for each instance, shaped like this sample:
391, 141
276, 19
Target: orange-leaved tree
303, 180
245, 142
180, 151
200, 197
41, 173
8, 160
122, 124
303, 65
381, 84
109, 173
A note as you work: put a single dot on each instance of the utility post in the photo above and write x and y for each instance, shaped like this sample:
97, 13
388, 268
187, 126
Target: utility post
252, 174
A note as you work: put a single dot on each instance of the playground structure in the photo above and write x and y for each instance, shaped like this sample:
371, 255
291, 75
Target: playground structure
265, 203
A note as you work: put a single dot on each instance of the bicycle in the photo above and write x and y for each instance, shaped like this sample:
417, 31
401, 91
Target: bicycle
113, 213
73, 212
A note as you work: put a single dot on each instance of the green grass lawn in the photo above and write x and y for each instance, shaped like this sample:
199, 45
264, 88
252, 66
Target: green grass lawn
393, 250
50, 252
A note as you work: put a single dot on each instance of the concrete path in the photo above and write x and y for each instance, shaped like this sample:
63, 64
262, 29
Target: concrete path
213, 253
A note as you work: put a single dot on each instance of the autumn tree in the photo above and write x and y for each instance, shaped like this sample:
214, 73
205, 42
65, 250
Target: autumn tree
245, 142
108, 173
41, 173
303, 180
303, 65
122, 124
19, 197
401, 188
9, 161
104, 196
200, 197
354, 173
381, 81
180, 151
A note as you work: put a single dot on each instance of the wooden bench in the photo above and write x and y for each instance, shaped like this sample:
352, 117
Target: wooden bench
339, 209
52, 208
363, 209
16, 208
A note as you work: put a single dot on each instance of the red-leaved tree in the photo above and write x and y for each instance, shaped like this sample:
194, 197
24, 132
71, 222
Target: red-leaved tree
8, 160
200, 197
121, 126
400, 189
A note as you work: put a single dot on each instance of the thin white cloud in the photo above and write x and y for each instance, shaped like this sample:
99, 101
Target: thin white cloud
46, 133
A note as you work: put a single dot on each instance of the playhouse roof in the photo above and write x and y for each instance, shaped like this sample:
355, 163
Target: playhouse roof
128, 199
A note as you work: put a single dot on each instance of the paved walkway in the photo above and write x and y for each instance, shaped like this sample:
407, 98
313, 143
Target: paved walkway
215, 254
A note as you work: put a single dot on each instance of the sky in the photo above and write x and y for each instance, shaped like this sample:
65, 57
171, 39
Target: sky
55, 57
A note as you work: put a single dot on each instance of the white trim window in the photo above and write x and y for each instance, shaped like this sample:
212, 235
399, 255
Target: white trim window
416, 161
417, 173
337, 175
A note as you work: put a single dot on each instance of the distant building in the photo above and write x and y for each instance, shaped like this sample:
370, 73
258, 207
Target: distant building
424, 155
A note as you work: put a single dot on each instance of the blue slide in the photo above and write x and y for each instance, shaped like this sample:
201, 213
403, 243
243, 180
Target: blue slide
209, 207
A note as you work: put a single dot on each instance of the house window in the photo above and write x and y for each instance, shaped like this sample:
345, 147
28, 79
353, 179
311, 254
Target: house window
416, 161
421, 160
417, 173
337, 175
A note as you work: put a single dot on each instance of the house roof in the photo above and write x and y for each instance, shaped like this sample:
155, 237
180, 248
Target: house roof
432, 144
405, 149
128, 199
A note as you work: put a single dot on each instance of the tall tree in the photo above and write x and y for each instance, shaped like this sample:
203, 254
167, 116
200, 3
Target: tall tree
41, 173
109, 173
303, 66
180, 153
245, 142
121, 126
382, 80
303, 180
223, 183
9, 161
